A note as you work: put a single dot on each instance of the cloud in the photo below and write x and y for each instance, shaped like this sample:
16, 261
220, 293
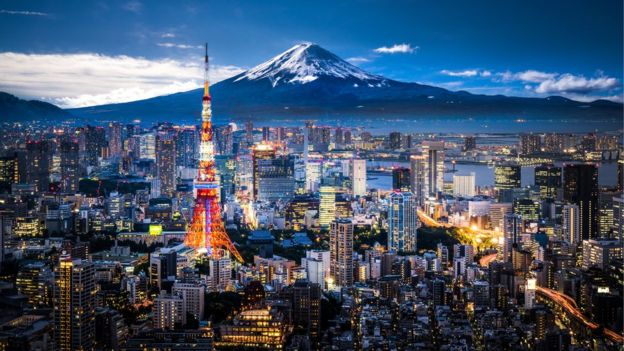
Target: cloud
179, 46
569, 83
23, 13
466, 73
356, 60
167, 35
78, 80
133, 6
397, 49
528, 76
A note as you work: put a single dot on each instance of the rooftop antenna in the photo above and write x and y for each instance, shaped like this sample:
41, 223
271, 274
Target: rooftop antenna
206, 67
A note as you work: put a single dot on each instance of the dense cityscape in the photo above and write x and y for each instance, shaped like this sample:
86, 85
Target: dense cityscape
435, 176
132, 237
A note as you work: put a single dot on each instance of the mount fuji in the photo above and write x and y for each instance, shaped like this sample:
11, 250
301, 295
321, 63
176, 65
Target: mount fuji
308, 81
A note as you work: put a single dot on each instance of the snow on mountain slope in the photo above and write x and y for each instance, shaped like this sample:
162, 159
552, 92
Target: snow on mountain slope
305, 63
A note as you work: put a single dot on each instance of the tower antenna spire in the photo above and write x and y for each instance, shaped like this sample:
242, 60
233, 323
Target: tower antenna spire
206, 68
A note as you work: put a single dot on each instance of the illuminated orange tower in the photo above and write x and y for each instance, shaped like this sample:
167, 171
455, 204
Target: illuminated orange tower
207, 231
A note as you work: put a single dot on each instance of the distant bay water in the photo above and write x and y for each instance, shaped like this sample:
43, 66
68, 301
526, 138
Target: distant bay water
484, 176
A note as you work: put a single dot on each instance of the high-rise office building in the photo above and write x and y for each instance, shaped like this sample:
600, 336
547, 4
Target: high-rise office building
464, 185
192, 293
115, 138
169, 311
571, 224
266, 134
70, 163
313, 173
418, 177
434, 166
9, 169
341, 252
511, 231
92, 144
74, 304
165, 163
618, 218
187, 146
580, 187
260, 152
497, 214
403, 222
548, 179
528, 209
507, 177
327, 206
530, 144
34, 280
394, 141
224, 140
307, 307
358, 177
470, 143
163, 267
401, 179
38, 161
274, 179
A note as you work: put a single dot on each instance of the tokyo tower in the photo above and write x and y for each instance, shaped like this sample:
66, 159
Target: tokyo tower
207, 232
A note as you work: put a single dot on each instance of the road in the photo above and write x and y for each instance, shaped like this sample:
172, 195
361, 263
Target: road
570, 306
479, 238
485, 260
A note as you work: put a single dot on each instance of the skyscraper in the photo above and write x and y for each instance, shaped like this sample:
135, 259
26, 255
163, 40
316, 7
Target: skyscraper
9, 169
74, 304
548, 179
580, 187
530, 144
187, 146
341, 252
260, 152
394, 141
274, 179
358, 177
470, 143
307, 307
403, 222
115, 141
401, 179
327, 206
70, 163
464, 185
511, 230
38, 160
418, 177
434, 166
224, 141
506, 178
92, 143
165, 163
571, 224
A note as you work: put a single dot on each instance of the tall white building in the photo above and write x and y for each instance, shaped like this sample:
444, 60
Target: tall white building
571, 224
464, 185
193, 295
434, 156
316, 264
418, 176
169, 310
402, 222
358, 177
313, 175
220, 274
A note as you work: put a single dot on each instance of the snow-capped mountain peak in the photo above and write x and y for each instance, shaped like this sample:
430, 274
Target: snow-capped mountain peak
305, 63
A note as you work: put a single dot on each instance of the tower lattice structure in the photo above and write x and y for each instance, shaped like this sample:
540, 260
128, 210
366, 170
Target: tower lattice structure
207, 231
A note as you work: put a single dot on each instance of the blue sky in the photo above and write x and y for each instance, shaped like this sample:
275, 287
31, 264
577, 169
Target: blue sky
77, 53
